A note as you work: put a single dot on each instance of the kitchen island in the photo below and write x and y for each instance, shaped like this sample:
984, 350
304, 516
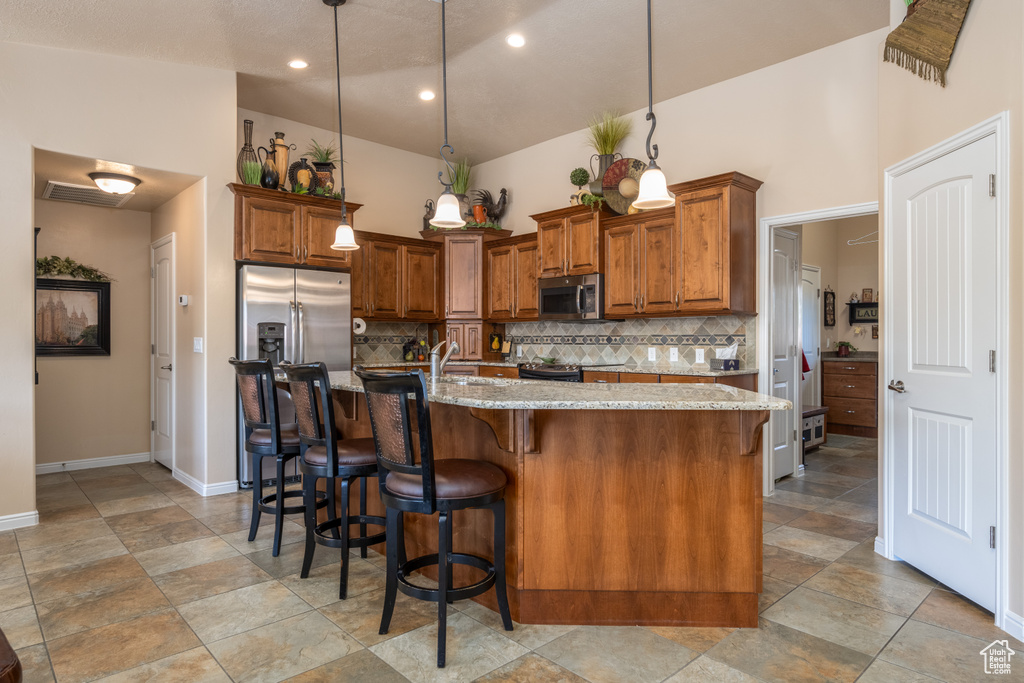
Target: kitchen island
626, 504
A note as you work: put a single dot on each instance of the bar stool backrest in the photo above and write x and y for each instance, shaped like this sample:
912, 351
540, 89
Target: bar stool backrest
258, 393
387, 398
310, 387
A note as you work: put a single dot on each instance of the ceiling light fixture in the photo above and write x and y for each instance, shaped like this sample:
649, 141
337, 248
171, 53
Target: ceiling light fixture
115, 183
515, 40
654, 192
298, 64
427, 95
448, 213
344, 238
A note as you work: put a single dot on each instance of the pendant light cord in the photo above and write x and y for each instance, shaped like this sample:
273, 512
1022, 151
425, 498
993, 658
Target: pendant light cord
652, 150
341, 154
444, 90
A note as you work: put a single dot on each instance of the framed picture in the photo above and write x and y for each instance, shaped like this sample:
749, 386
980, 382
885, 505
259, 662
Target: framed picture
830, 308
72, 318
866, 295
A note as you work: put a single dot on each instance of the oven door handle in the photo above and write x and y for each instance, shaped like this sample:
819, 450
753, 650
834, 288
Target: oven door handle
579, 299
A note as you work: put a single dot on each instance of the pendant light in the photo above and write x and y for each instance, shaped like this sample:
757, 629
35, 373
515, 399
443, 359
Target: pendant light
654, 192
115, 183
449, 213
344, 238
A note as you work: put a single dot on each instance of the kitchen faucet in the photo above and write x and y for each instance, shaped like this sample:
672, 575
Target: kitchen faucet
436, 362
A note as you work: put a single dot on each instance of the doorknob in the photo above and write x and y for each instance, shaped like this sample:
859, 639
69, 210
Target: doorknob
165, 367
897, 386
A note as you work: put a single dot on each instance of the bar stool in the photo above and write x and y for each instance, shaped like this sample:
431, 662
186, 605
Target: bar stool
430, 486
265, 437
10, 665
331, 458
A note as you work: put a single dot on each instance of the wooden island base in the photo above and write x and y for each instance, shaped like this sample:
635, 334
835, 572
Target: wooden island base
648, 517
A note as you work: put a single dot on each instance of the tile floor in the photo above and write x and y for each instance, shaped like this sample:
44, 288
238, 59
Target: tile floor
130, 576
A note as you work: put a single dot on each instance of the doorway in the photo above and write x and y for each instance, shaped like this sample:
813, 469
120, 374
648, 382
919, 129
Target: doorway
162, 259
810, 334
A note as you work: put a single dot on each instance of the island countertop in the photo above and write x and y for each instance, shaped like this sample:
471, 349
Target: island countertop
515, 394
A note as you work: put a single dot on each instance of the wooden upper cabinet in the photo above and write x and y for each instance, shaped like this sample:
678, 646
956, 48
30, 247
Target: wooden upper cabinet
511, 291
319, 225
359, 283
551, 247
582, 242
568, 241
463, 259
501, 282
657, 265
421, 289
384, 271
621, 276
527, 306
269, 230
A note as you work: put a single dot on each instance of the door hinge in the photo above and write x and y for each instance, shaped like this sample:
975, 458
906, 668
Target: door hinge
152, 425
794, 435
992, 361
991, 537
991, 184
152, 349
152, 272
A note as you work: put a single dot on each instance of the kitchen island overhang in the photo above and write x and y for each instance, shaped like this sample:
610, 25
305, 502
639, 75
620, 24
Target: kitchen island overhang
626, 504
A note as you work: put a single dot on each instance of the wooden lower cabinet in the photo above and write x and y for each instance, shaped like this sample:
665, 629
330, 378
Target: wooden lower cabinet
637, 378
462, 370
748, 382
683, 379
499, 371
850, 392
598, 377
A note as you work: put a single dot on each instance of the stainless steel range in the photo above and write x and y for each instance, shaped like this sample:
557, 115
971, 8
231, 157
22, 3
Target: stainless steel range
555, 373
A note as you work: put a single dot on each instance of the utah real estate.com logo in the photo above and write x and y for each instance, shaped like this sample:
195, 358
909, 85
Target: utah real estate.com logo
997, 657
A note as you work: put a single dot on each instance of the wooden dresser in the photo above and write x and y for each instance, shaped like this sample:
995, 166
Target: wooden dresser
850, 391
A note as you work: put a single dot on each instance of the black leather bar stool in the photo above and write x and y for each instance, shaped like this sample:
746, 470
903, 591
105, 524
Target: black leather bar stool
333, 459
266, 437
426, 487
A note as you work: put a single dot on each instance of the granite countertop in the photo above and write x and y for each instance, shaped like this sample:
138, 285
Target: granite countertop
642, 368
494, 393
861, 356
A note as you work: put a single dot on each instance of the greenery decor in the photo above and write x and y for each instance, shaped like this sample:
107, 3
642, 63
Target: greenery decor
48, 266
470, 224
251, 172
322, 154
604, 133
579, 177
592, 200
853, 349
299, 188
460, 181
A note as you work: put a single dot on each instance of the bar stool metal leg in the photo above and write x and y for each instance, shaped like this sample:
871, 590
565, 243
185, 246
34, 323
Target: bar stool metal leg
345, 558
392, 530
444, 571
362, 513
279, 506
257, 494
309, 502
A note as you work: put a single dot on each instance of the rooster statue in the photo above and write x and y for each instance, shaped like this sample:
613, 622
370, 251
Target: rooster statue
495, 210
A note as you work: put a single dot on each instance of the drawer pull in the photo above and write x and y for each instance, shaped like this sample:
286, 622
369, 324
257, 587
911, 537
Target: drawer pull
850, 386
499, 374
600, 381
851, 411
849, 368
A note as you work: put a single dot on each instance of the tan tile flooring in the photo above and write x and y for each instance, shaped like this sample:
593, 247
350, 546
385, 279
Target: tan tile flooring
130, 576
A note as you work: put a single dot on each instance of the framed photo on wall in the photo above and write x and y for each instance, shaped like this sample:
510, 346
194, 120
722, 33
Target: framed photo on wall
72, 318
830, 308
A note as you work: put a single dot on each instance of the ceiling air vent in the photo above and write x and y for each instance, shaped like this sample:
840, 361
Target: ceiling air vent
84, 194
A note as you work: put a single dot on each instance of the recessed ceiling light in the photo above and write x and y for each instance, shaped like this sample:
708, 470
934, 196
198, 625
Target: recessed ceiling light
115, 183
515, 40
427, 95
297, 64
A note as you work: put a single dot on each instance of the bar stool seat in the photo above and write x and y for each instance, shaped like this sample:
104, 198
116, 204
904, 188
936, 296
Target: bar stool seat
351, 453
265, 437
454, 479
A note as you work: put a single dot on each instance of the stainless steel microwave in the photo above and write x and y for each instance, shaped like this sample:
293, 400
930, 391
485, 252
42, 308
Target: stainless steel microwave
578, 297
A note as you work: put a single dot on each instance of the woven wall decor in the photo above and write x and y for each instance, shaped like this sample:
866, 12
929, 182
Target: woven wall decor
924, 42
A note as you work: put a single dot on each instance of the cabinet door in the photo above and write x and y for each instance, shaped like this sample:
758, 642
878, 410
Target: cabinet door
684, 379
526, 267
658, 293
455, 334
473, 334
499, 371
704, 250
463, 263
384, 267
551, 246
582, 247
318, 228
422, 282
637, 378
621, 295
360, 284
270, 230
598, 377
500, 279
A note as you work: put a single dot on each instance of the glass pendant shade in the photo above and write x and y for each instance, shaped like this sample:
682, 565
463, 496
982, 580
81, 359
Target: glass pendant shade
344, 238
654, 192
449, 213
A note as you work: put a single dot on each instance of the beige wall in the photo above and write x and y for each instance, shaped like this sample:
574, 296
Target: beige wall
97, 406
818, 248
391, 184
806, 127
986, 77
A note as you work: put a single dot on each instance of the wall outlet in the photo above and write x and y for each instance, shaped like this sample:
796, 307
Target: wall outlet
673, 354
519, 350
700, 356
197, 344
652, 353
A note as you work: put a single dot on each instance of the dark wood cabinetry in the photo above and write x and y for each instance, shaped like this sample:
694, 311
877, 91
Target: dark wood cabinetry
639, 265
395, 278
850, 392
464, 277
568, 241
748, 382
511, 290
421, 285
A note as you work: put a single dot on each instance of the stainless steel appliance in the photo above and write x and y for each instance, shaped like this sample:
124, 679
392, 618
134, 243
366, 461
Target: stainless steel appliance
578, 297
302, 316
555, 373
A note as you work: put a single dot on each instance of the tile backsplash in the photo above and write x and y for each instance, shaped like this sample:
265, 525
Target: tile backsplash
589, 343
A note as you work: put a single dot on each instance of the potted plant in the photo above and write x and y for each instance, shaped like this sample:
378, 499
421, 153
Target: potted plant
845, 348
323, 158
604, 134
578, 177
460, 184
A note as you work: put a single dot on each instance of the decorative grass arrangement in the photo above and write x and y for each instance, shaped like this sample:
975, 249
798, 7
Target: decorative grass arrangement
460, 181
48, 266
604, 133
251, 172
322, 154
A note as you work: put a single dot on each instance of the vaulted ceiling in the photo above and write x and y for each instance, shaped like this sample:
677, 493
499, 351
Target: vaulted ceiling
581, 57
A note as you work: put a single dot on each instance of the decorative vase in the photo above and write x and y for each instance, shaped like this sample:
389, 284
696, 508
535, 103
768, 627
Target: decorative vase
465, 208
325, 175
269, 177
603, 162
281, 148
843, 351
247, 154
301, 173
480, 213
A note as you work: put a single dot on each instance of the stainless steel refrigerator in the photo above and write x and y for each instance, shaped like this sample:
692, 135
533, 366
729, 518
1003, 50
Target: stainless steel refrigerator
301, 316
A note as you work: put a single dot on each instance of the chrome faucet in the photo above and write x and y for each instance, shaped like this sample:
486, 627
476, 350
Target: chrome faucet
437, 363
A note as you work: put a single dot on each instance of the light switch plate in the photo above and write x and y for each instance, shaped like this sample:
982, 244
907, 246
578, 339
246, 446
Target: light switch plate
652, 353
700, 356
673, 354
197, 344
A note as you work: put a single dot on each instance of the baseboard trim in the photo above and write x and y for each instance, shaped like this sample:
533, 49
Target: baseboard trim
880, 547
202, 489
1013, 624
89, 463
22, 519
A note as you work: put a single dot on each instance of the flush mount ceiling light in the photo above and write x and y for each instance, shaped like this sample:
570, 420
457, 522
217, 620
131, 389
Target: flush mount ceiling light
654, 192
298, 64
448, 213
427, 95
344, 238
115, 183
515, 40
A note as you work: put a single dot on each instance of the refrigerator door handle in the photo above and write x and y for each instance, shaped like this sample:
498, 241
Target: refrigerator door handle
292, 357
301, 350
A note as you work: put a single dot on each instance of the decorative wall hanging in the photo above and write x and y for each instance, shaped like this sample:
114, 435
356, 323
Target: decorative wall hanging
72, 318
924, 42
830, 308
55, 265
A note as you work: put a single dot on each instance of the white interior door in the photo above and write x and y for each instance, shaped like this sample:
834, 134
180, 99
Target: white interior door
942, 318
162, 371
785, 343
810, 334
